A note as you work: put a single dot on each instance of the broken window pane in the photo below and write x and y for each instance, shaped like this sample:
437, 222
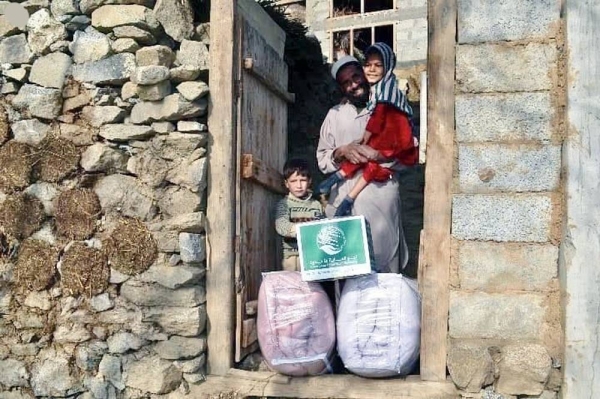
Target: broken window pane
345, 7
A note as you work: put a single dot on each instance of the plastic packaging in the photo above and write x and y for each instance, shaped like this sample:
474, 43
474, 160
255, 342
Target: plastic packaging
379, 324
295, 324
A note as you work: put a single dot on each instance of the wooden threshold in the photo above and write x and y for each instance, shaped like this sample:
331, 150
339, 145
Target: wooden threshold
242, 384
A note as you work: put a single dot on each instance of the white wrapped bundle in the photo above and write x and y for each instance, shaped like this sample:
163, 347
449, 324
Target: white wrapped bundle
295, 324
379, 324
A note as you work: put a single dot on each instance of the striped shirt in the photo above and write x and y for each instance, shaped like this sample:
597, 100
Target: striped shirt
289, 211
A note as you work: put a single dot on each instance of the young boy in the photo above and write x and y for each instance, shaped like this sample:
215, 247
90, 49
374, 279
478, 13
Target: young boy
389, 129
298, 206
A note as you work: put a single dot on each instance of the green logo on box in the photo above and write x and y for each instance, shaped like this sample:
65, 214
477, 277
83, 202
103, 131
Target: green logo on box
334, 248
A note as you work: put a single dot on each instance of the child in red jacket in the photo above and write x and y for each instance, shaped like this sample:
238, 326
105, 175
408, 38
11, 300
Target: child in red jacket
388, 131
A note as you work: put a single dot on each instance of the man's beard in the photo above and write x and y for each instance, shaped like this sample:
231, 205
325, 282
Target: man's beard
362, 98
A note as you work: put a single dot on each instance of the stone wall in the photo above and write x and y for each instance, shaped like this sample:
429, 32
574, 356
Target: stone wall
102, 188
505, 320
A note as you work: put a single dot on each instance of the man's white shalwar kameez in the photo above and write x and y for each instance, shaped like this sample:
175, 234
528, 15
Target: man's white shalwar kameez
378, 202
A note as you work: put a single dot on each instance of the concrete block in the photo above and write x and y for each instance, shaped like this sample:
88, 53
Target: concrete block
487, 21
499, 167
521, 218
411, 39
503, 117
412, 50
496, 316
317, 10
504, 68
498, 267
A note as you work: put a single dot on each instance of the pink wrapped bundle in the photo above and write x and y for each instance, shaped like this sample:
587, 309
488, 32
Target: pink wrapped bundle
295, 324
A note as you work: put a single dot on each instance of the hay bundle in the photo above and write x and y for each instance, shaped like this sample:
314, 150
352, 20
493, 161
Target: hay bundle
21, 216
15, 165
84, 270
76, 212
131, 248
3, 126
56, 158
36, 265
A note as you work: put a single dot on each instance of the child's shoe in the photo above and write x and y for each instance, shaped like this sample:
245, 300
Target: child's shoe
345, 207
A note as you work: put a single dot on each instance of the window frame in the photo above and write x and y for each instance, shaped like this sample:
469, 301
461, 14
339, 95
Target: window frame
331, 32
362, 9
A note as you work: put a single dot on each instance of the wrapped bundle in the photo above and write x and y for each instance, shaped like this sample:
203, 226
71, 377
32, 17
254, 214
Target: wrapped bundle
295, 324
379, 324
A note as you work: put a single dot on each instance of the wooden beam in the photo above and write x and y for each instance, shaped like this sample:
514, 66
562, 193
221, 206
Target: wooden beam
263, 76
423, 116
256, 170
580, 245
435, 265
220, 298
266, 384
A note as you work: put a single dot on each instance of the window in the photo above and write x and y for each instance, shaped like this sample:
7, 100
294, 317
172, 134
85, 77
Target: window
340, 8
356, 40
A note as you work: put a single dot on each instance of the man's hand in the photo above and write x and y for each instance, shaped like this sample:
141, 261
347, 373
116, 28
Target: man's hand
356, 153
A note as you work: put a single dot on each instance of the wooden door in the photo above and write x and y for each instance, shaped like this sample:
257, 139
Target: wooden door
262, 98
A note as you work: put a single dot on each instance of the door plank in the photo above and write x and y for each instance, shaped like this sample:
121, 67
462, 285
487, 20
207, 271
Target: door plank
259, 19
263, 134
261, 74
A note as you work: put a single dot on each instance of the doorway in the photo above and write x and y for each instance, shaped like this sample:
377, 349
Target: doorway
434, 261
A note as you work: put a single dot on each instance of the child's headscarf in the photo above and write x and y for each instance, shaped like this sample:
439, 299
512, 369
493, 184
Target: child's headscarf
386, 90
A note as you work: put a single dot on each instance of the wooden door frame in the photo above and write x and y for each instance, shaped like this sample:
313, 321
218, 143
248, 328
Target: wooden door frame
434, 262
221, 209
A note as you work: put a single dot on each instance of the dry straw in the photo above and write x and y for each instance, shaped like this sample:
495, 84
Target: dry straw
36, 265
84, 270
131, 248
76, 213
16, 161
21, 216
56, 158
3, 126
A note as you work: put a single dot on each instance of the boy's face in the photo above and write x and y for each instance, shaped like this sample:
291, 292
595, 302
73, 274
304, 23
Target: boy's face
373, 68
298, 185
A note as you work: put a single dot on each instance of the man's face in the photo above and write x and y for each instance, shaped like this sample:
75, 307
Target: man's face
353, 83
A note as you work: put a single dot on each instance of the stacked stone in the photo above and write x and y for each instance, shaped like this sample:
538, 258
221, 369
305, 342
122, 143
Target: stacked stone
504, 322
120, 80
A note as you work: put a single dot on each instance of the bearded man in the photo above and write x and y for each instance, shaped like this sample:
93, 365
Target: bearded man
340, 139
